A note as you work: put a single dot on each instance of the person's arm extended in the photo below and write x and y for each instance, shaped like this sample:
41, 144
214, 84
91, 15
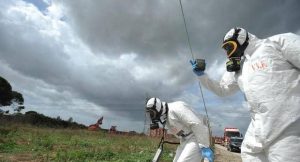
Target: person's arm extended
227, 86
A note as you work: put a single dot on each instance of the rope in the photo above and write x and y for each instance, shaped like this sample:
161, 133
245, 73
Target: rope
208, 122
192, 54
187, 33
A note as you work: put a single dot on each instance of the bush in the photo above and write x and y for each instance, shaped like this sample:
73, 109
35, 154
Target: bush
36, 119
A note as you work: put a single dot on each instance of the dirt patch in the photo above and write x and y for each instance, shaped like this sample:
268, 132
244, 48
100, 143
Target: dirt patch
222, 155
24, 157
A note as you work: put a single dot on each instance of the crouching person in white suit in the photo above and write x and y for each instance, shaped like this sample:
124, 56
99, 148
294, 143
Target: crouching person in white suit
191, 129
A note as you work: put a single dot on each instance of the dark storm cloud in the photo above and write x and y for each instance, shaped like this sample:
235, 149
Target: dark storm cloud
155, 28
131, 26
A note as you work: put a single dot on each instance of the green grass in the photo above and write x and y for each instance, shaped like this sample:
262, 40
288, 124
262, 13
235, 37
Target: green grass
26, 143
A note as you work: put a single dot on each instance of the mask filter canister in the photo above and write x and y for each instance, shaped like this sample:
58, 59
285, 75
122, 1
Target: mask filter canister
234, 64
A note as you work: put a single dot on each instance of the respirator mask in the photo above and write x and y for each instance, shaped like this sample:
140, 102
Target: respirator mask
155, 112
235, 50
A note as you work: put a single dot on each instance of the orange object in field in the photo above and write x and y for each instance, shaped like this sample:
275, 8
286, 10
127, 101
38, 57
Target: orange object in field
96, 126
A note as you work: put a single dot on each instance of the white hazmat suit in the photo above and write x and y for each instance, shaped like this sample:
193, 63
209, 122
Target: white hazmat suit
192, 130
270, 80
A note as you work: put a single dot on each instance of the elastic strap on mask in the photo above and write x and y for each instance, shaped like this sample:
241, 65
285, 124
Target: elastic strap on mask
245, 44
236, 33
167, 109
165, 114
235, 36
158, 114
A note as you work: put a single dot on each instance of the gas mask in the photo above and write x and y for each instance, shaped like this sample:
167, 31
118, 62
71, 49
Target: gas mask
154, 117
155, 112
234, 51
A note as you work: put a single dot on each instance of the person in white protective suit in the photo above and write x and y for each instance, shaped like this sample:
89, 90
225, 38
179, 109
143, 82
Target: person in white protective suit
267, 71
182, 121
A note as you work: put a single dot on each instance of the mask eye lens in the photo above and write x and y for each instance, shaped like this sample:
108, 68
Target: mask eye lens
230, 47
152, 113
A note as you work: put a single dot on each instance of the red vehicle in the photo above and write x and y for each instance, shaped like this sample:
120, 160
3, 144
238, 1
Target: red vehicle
230, 132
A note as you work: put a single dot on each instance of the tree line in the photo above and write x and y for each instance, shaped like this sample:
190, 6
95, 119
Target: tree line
9, 97
39, 120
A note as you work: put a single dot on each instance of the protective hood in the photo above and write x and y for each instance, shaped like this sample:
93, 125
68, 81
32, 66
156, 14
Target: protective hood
156, 111
235, 42
254, 43
234, 38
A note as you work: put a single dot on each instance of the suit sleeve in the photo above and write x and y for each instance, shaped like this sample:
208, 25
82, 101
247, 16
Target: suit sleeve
227, 86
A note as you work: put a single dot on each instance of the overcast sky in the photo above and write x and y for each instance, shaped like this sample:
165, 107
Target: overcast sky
88, 58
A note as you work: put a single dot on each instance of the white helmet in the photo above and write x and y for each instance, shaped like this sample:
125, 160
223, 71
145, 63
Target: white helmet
157, 111
154, 103
235, 43
242, 35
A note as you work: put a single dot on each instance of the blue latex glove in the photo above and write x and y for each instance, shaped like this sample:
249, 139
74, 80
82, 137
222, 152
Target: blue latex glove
194, 66
207, 153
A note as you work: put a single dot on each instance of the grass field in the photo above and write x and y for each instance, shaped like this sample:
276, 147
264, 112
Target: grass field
27, 143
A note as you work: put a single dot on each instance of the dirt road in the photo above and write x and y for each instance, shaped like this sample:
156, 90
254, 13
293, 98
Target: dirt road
222, 155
